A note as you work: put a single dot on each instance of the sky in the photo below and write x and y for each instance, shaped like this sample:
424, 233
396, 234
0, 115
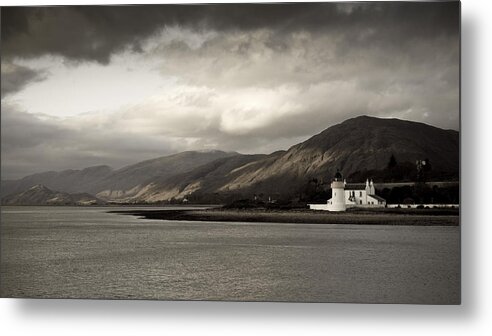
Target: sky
114, 85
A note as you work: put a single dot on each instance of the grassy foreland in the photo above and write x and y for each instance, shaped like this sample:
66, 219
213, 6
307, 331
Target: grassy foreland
424, 217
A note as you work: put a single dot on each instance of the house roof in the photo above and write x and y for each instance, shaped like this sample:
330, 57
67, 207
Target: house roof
355, 186
376, 197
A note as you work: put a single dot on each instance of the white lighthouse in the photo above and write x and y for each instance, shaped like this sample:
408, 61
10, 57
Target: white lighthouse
337, 201
350, 195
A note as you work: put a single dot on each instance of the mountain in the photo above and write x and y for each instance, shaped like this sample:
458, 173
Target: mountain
361, 143
71, 181
368, 143
40, 195
111, 184
358, 145
125, 183
206, 179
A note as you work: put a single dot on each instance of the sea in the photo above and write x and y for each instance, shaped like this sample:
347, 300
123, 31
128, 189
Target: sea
87, 252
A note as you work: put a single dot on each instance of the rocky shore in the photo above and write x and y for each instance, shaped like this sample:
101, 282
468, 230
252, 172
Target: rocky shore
404, 217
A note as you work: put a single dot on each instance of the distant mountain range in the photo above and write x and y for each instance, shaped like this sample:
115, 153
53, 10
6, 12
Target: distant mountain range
359, 144
40, 195
114, 184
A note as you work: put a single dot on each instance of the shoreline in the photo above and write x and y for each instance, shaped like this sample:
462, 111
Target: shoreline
298, 216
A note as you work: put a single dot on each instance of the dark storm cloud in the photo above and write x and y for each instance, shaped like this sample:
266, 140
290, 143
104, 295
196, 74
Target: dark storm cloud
250, 78
16, 77
95, 32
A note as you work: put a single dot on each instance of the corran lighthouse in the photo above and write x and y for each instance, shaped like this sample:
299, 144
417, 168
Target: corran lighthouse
337, 201
350, 196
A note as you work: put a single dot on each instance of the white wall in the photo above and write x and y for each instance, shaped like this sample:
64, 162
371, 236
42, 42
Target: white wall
358, 196
318, 206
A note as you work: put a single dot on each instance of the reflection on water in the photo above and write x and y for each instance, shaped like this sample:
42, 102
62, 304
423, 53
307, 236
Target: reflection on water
65, 252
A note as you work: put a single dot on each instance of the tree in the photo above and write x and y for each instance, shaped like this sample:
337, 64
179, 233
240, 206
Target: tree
392, 162
423, 166
427, 166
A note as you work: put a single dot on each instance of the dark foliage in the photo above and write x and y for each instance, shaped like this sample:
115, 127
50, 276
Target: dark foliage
421, 193
392, 162
315, 191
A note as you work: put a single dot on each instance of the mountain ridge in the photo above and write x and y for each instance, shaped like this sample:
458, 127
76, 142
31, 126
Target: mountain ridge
109, 180
41, 195
358, 144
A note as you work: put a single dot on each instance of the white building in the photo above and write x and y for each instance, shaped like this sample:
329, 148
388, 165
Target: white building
350, 195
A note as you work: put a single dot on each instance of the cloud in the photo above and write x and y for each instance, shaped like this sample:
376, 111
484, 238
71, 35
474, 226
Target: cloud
16, 77
35, 143
96, 32
123, 84
258, 88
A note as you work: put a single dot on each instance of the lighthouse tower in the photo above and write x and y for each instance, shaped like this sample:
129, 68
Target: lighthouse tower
337, 193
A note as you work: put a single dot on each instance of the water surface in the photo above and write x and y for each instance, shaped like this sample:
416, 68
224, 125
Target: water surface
74, 252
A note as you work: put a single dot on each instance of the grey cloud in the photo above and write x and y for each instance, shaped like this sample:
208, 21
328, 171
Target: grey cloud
419, 81
22, 130
336, 60
16, 77
32, 144
265, 58
95, 32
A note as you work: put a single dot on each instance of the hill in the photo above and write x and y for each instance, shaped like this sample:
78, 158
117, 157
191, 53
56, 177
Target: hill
114, 184
359, 147
71, 181
354, 146
125, 183
40, 195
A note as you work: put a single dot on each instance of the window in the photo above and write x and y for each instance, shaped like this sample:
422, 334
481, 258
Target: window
360, 201
360, 193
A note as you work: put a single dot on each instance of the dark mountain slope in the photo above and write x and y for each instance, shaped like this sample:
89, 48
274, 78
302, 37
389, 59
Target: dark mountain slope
70, 181
208, 178
41, 195
128, 181
358, 144
114, 184
368, 142
362, 144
